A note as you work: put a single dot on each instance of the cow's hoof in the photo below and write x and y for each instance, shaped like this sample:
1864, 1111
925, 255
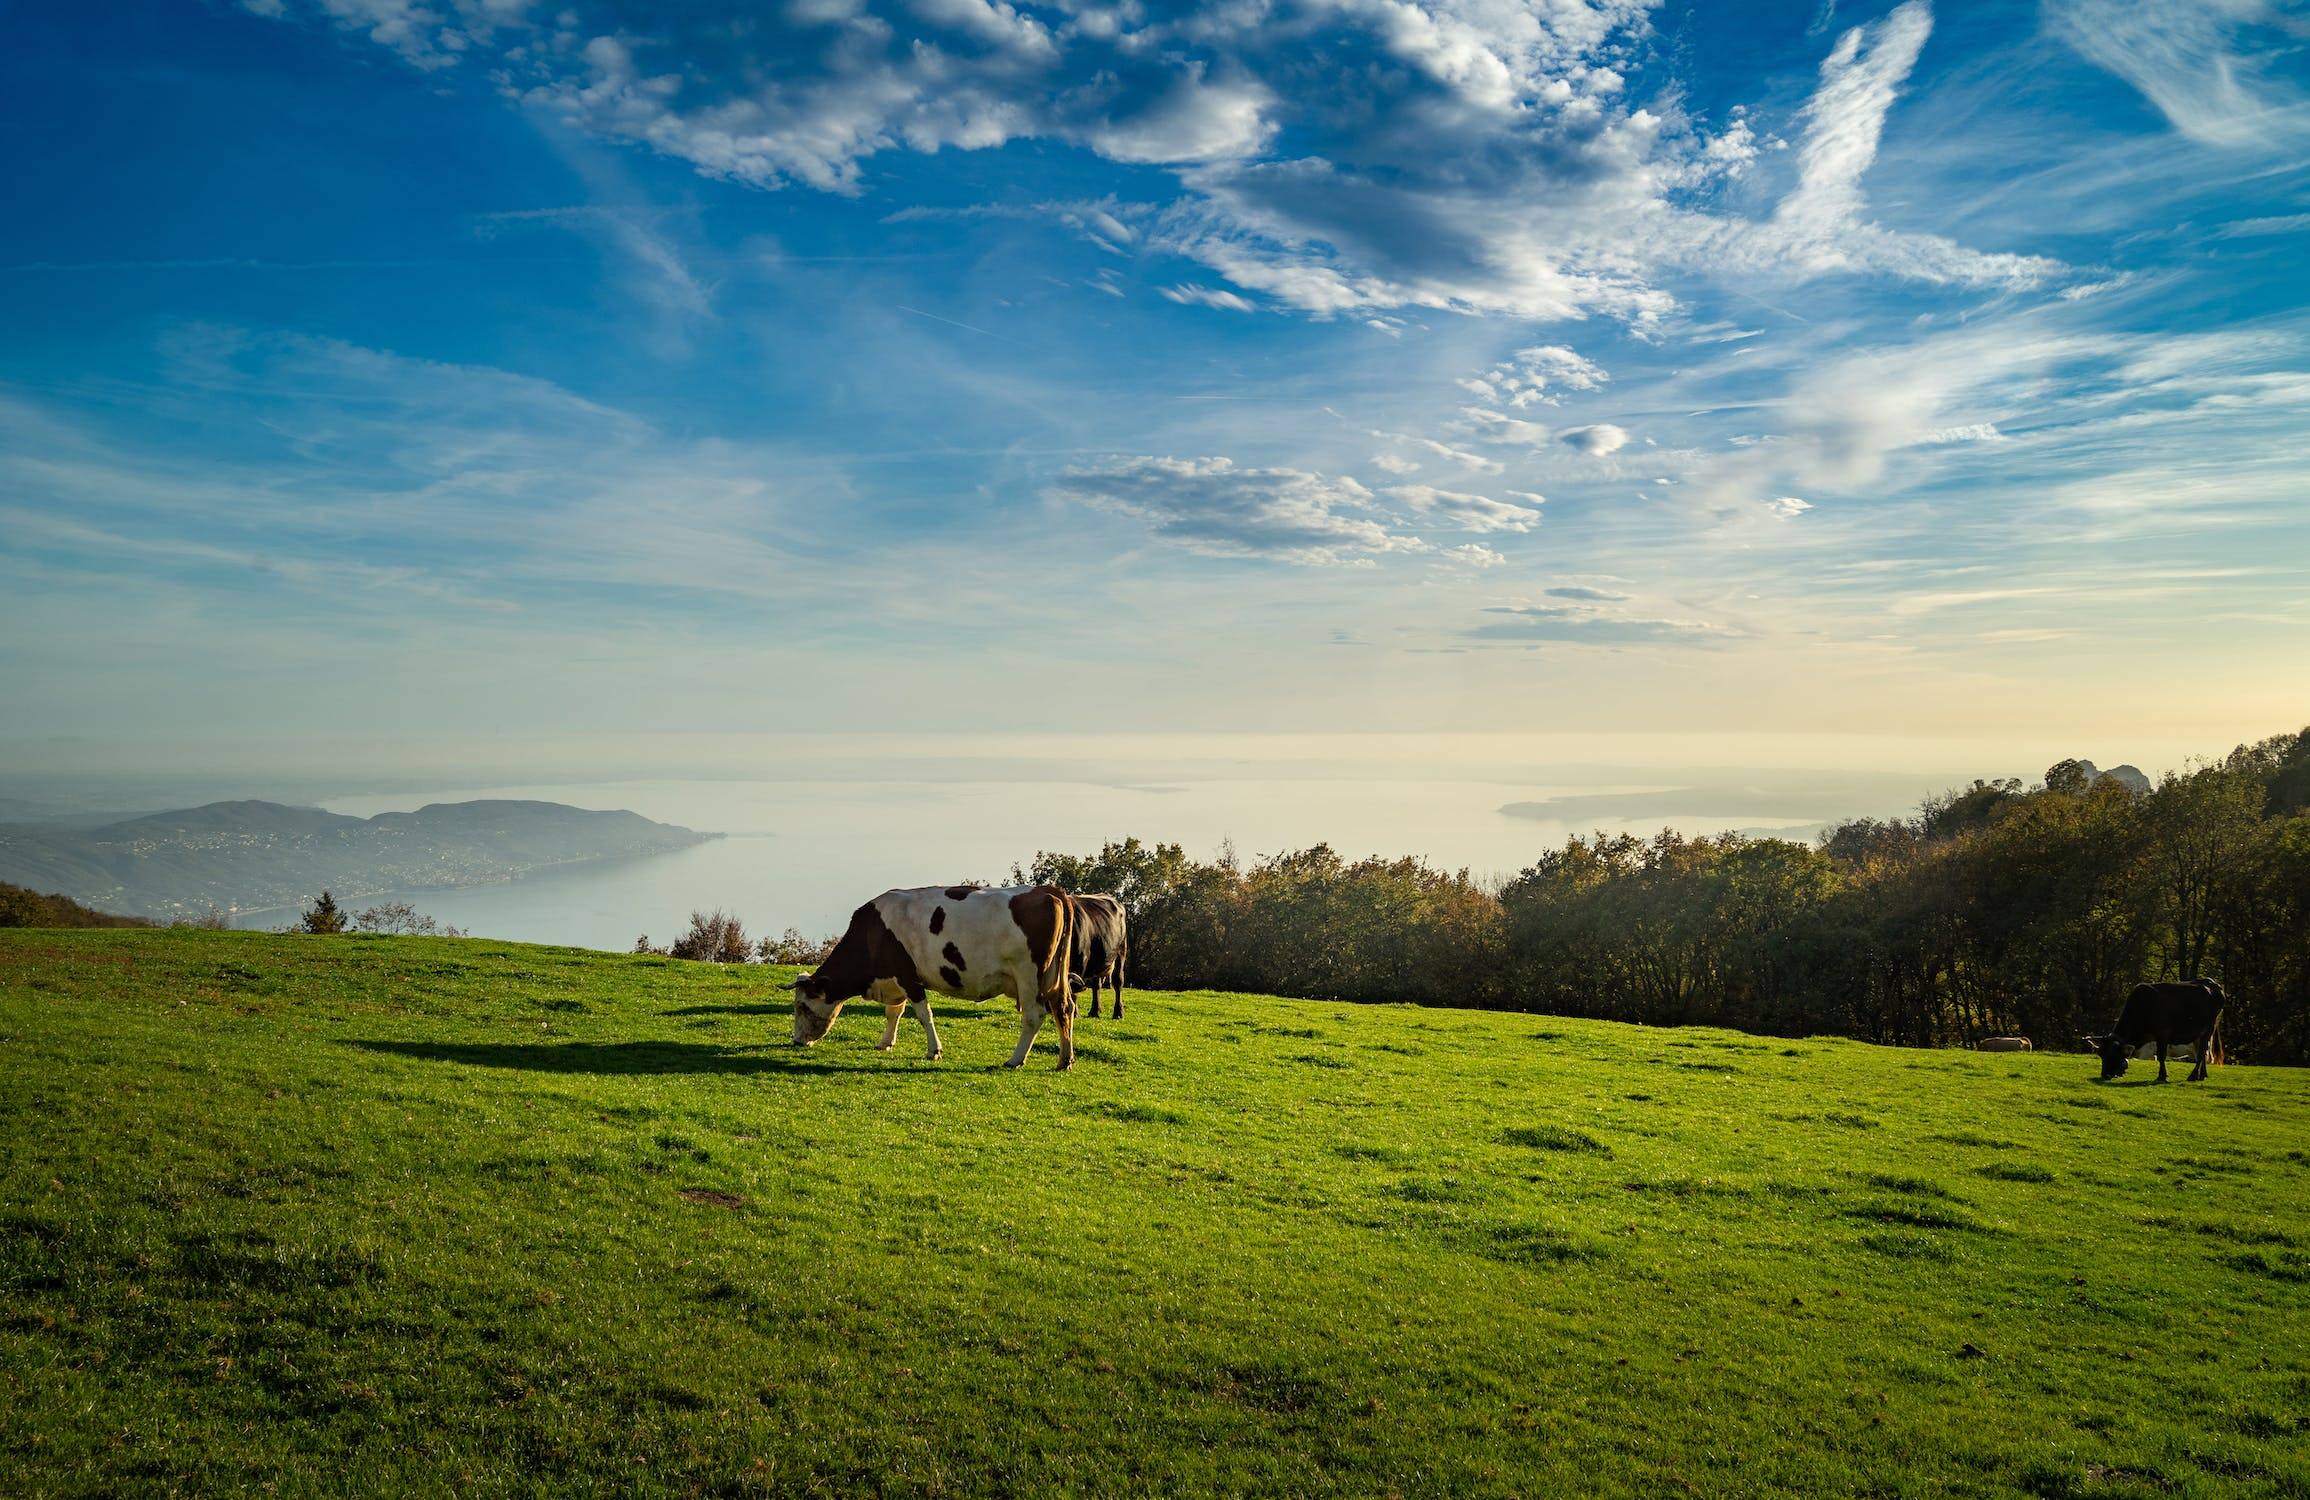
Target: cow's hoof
1011, 1064
934, 1057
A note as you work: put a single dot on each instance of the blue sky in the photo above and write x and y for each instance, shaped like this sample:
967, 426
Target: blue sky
489, 367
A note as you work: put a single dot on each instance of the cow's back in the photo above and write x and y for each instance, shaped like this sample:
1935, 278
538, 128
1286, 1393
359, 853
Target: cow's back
2169, 1010
963, 939
1098, 933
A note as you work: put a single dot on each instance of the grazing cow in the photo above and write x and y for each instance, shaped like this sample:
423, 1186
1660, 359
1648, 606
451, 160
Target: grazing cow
2162, 1015
971, 942
2002, 1044
1099, 947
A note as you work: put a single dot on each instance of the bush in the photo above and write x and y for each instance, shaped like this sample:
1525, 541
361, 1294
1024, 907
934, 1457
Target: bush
400, 919
794, 948
714, 937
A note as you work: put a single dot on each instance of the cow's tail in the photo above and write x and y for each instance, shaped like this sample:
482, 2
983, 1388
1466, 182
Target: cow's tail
1055, 962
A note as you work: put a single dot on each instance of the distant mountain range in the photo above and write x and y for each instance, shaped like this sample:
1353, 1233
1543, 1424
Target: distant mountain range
254, 855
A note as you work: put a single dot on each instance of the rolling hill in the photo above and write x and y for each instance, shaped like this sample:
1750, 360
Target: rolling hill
379, 1215
253, 855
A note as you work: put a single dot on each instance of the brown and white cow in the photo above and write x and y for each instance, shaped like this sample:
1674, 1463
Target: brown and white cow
2002, 1044
971, 942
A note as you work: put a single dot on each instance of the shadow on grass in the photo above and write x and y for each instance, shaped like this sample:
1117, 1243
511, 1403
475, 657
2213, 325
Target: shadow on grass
631, 1058
941, 1005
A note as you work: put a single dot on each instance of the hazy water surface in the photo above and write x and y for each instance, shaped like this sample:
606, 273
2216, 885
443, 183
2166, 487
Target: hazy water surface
805, 853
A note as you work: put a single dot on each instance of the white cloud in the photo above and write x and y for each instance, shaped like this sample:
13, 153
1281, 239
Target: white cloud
1819, 228
1211, 506
1394, 464
1474, 462
1459, 155
1963, 432
1207, 297
1455, 511
1489, 426
1532, 375
1788, 505
2189, 58
1471, 555
1597, 441
1588, 624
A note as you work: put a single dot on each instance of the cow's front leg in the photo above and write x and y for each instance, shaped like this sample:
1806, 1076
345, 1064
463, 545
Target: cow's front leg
2161, 1060
929, 1027
2205, 1052
890, 1015
1094, 999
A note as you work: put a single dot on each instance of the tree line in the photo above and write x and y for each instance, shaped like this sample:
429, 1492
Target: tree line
1998, 908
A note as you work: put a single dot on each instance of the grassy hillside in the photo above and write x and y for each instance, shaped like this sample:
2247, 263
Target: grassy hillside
23, 907
318, 1214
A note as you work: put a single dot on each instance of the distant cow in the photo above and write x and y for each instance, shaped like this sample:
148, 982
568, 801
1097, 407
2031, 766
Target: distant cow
971, 942
2002, 1044
1100, 945
2162, 1015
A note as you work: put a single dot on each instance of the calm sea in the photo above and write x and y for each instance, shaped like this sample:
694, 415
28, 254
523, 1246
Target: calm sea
803, 854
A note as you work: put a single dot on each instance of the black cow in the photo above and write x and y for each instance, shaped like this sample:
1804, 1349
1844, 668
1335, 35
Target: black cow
1100, 944
2188, 1011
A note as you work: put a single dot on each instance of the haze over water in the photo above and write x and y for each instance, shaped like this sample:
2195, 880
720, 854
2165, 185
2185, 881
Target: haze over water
833, 827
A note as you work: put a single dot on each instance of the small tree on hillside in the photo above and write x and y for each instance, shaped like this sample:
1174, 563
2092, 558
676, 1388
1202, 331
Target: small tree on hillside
323, 917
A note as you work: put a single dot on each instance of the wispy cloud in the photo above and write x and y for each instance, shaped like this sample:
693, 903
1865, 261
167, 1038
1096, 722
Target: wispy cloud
2191, 59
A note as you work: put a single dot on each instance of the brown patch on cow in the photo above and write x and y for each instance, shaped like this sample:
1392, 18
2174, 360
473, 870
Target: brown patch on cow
1045, 916
869, 951
949, 977
960, 892
937, 920
953, 955
713, 1199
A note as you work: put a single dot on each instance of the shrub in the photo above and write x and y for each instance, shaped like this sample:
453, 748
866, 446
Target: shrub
794, 948
400, 919
714, 937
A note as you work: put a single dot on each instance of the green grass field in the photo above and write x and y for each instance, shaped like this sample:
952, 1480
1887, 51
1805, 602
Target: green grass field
326, 1215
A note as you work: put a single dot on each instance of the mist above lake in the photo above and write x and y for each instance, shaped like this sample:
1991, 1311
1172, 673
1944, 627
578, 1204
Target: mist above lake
804, 853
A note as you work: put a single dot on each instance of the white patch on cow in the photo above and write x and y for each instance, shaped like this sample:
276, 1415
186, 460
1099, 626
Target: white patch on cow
980, 926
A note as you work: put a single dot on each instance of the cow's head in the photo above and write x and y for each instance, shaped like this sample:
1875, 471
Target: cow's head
814, 1013
2113, 1054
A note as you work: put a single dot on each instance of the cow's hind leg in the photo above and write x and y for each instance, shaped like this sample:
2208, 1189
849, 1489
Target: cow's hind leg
2205, 1050
1066, 1014
1094, 997
2161, 1059
1116, 979
1027, 987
